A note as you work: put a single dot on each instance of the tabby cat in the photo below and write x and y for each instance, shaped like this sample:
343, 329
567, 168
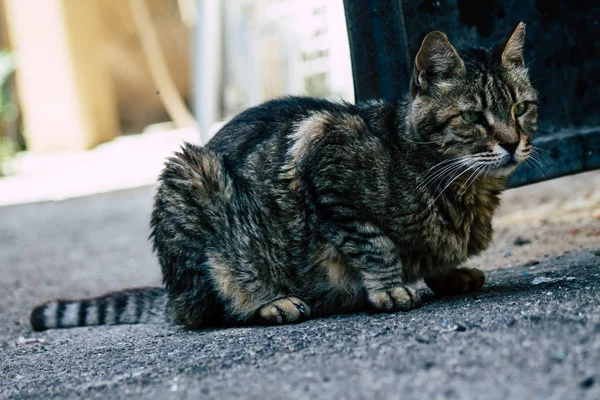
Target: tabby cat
302, 207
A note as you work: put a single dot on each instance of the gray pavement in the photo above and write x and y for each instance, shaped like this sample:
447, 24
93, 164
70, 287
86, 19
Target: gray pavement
534, 332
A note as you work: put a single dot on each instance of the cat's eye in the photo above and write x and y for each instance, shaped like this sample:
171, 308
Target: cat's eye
473, 117
520, 109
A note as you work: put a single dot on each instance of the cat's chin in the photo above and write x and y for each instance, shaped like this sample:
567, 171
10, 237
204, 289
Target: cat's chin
503, 171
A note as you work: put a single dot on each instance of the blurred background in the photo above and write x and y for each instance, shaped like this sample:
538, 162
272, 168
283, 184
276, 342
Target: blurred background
95, 94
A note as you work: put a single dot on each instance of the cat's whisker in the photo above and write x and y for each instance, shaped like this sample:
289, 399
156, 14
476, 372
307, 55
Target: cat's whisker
469, 182
538, 79
542, 151
465, 186
533, 162
449, 174
538, 158
415, 142
544, 157
430, 170
548, 131
474, 177
542, 172
440, 175
531, 62
538, 164
432, 175
541, 164
437, 174
450, 183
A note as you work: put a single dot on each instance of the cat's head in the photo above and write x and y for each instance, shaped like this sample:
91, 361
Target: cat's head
478, 107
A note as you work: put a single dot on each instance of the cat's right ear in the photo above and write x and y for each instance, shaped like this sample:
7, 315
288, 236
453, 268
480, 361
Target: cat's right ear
436, 60
509, 51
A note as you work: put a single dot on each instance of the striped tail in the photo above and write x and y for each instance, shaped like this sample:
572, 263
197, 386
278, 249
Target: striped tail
131, 306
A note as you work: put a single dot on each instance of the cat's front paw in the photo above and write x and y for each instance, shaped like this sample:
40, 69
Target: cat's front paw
401, 298
285, 310
457, 281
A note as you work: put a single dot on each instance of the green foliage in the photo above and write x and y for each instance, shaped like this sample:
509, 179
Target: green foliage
7, 67
8, 148
8, 108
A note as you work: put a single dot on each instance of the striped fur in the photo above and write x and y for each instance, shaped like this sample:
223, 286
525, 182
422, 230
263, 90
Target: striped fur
132, 306
300, 207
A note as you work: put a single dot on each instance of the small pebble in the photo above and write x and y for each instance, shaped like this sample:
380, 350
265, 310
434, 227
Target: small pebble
531, 263
520, 241
587, 382
429, 365
544, 279
560, 356
23, 340
454, 328
423, 339
507, 253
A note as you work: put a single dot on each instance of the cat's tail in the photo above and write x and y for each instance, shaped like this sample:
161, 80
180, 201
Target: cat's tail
131, 306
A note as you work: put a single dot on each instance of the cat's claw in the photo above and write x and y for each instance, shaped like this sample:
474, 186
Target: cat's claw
285, 310
401, 298
300, 308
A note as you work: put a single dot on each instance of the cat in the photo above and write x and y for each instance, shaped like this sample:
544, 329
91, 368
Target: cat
301, 208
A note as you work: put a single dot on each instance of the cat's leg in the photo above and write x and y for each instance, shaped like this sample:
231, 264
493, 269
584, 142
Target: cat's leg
385, 290
284, 310
457, 281
251, 296
251, 282
377, 258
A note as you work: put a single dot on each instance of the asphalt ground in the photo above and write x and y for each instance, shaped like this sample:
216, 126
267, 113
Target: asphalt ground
532, 333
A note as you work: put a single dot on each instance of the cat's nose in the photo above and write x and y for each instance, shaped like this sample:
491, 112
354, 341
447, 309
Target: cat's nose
510, 147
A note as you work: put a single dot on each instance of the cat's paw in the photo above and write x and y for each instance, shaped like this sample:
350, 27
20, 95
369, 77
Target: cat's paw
285, 310
401, 298
457, 281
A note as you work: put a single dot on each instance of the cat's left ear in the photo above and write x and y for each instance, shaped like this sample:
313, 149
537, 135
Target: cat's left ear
436, 61
509, 51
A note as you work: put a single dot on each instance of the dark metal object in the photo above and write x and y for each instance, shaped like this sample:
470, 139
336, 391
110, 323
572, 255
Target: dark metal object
378, 49
562, 48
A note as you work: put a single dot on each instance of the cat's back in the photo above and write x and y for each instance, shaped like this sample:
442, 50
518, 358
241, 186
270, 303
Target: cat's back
262, 133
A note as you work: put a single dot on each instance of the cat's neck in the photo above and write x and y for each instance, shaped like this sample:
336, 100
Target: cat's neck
467, 202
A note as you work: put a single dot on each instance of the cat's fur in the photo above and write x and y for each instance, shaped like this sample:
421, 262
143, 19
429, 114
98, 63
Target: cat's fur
301, 207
